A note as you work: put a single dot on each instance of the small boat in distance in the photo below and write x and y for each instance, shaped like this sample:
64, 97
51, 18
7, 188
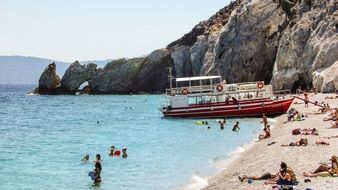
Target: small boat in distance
210, 97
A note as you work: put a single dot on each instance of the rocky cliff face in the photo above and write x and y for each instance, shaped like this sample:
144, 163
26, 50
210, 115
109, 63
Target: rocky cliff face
288, 43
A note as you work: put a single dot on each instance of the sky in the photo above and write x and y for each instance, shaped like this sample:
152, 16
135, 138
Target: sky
68, 30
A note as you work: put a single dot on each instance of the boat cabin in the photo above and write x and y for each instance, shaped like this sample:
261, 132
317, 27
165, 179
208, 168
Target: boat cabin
202, 90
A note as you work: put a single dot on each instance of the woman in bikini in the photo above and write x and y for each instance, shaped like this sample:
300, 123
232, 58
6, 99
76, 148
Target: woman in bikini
323, 170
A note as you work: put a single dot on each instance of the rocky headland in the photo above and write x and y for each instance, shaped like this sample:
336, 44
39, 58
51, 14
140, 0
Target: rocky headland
290, 44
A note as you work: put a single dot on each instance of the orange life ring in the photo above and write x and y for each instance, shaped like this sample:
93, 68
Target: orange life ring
260, 85
185, 91
219, 88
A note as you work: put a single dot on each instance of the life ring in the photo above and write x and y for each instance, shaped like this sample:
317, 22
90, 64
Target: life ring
219, 88
185, 91
260, 85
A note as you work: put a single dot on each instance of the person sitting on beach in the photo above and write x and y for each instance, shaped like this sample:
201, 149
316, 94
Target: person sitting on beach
324, 170
301, 142
85, 158
322, 143
112, 149
236, 127
286, 176
272, 177
266, 135
124, 153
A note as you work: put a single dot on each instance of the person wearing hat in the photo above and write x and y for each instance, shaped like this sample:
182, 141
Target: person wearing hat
324, 170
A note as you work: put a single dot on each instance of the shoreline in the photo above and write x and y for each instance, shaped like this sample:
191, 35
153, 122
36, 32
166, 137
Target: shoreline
260, 158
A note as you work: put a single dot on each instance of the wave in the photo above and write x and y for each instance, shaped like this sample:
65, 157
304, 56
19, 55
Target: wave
195, 182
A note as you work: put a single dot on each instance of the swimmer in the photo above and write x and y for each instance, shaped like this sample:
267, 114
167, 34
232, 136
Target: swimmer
236, 126
124, 153
112, 149
85, 158
117, 152
98, 158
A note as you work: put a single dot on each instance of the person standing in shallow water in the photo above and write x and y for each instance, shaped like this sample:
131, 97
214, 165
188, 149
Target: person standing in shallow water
97, 173
236, 127
265, 120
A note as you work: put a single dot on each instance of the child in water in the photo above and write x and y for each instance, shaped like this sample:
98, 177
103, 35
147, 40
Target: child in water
236, 127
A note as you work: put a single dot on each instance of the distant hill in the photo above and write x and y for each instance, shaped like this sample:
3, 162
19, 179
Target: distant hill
27, 70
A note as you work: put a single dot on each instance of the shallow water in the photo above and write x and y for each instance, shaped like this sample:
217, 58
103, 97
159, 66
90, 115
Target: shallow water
43, 138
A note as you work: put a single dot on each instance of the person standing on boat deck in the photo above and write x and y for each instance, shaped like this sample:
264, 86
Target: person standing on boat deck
236, 126
306, 100
265, 120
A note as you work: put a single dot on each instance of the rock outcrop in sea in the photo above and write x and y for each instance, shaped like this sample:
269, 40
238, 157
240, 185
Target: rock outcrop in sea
49, 82
290, 44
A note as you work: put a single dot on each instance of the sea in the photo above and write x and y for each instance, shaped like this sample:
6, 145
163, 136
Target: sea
44, 138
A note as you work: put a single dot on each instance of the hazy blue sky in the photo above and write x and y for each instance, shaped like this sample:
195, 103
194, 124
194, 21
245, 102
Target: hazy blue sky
67, 30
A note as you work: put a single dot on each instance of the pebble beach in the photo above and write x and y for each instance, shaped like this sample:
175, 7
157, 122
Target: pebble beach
261, 158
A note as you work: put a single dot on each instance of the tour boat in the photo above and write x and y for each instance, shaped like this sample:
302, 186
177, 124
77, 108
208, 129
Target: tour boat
209, 96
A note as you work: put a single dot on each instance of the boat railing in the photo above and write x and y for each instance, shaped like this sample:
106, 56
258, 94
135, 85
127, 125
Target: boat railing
226, 88
282, 93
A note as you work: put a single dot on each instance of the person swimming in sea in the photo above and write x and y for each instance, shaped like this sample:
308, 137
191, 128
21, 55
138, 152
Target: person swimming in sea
124, 153
112, 150
85, 158
236, 127
98, 158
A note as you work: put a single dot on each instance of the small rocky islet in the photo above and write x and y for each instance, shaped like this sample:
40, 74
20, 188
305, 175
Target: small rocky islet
290, 44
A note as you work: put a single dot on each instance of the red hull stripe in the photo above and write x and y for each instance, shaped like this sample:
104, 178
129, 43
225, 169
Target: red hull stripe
249, 109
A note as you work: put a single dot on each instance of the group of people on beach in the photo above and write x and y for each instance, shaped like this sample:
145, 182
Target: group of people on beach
95, 174
285, 175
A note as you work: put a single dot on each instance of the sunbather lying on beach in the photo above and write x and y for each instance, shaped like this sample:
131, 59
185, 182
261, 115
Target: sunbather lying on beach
301, 142
332, 137
323, 170
322, 143
305, 131
332, 116
334, 124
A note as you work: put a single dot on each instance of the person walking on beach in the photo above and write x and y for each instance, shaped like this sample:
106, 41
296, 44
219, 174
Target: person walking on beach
306, 100
236, 126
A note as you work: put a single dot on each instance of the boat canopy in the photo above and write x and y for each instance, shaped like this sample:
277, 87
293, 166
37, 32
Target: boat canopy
196, 78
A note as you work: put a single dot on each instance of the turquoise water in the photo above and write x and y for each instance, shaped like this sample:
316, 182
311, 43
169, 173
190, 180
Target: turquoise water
43, 138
